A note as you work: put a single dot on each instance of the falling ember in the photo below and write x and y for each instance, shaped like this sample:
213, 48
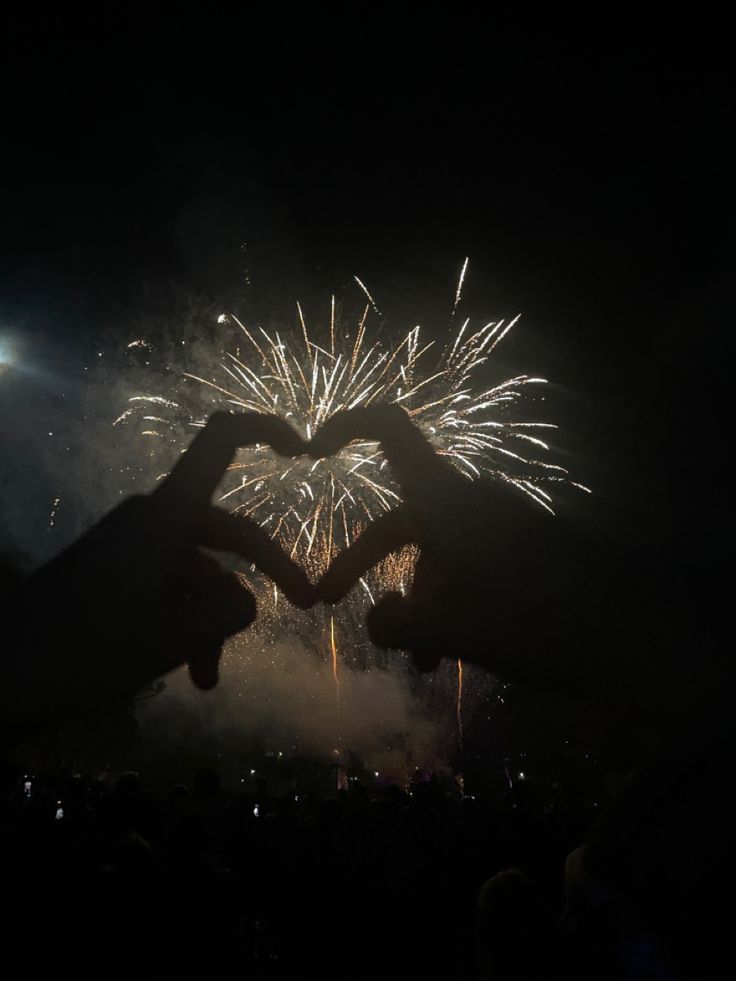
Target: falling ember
459, 704
54, 511
333, 649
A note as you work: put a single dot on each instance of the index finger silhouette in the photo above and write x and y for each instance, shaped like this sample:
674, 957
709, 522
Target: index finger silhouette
380, 538
242, 536
189, 487
413, 460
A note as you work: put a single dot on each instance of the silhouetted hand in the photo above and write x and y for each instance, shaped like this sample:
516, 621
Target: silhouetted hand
499, 581
136, 596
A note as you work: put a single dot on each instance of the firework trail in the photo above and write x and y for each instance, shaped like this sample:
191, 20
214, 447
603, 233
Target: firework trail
459, 702
460, 284
333, 651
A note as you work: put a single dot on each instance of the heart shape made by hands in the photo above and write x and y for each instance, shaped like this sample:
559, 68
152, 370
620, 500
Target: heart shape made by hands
189, 489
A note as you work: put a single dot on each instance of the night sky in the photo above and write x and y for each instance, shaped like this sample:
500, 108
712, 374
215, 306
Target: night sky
153, 161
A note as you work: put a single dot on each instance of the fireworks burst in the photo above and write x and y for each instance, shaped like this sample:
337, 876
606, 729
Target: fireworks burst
317, 508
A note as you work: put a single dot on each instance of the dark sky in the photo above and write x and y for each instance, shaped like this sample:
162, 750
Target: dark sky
585, 168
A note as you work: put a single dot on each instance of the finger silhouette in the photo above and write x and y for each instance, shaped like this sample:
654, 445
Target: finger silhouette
193, 480
217, 605
240, 535
383, 536
421, 473
396, 622
224, 612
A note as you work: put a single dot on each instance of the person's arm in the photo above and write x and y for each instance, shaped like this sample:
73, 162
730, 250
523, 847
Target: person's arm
137, 596
498, 582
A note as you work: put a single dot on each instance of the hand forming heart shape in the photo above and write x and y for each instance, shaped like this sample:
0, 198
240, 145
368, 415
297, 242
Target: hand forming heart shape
489, 564
185, 496
431, 488
494, 580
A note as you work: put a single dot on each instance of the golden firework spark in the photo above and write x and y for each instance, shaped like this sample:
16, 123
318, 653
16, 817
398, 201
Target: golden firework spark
459, 702
333, 650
